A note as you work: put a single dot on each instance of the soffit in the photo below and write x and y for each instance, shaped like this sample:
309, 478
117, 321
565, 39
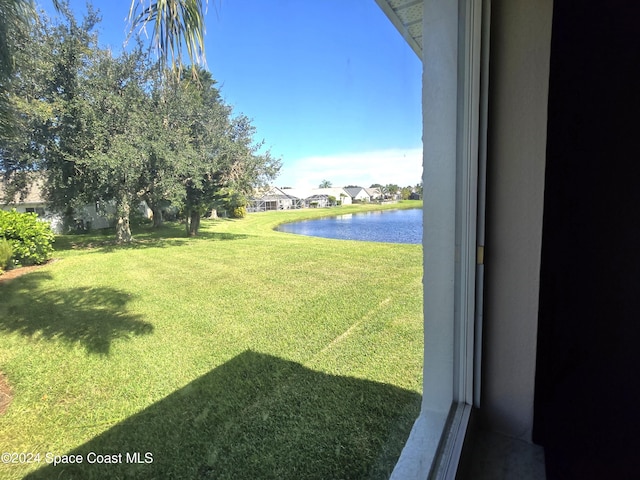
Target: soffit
406, 16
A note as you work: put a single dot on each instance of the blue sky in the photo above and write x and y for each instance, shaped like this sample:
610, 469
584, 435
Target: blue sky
331, 86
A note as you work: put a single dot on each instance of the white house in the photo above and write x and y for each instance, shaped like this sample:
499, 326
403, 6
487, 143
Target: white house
374, 193
340, 194
89, 217
358, 194
274, 198
31, 202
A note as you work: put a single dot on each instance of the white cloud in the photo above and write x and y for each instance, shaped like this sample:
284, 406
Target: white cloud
400, 167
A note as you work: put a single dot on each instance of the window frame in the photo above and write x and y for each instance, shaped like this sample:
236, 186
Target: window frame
455, 57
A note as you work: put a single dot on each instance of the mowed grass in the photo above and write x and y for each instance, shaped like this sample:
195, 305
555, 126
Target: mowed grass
243, 353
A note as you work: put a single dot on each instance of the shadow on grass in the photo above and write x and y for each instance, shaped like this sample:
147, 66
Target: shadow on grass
169, 235
257, 417
91, 317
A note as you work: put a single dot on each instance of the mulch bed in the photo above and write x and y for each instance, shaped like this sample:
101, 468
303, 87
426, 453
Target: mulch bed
18, 272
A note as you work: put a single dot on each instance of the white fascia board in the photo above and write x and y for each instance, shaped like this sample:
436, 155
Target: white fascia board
402, 29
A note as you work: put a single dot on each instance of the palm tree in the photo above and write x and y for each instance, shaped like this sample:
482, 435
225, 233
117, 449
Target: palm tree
14, 14
175, 23
325, 184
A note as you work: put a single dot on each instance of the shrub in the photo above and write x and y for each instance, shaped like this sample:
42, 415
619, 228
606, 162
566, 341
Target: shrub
6, 254
30, 239
235, 205
239, 212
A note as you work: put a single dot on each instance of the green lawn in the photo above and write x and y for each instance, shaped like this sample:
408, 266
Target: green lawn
243, 353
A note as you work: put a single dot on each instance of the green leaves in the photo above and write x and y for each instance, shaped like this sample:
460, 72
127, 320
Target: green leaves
6, 254
112, 129
31, 240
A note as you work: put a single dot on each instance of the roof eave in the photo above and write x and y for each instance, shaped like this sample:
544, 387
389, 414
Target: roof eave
402, 25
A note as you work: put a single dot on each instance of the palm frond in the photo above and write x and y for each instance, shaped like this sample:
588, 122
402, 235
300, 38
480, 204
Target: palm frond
13, 15
177, 24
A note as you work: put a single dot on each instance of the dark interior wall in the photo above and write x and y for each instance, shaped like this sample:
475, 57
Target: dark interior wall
586, 411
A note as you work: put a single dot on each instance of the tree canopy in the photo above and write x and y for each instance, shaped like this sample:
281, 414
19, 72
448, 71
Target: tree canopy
176, 25
116, 130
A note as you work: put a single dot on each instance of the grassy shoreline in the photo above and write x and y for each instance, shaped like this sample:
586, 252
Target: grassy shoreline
243, 353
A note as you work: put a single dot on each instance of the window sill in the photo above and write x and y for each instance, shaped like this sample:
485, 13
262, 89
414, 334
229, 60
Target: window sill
434, 446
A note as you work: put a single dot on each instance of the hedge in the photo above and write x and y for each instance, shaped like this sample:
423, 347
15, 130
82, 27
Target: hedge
30, 239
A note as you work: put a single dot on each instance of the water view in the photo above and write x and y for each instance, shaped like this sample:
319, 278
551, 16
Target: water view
391, 226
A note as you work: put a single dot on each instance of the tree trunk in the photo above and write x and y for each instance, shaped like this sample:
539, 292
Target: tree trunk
157, 216
193, 223
123, 229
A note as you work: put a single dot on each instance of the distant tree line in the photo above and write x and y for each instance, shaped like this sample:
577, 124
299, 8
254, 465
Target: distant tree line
118, 129
391, 190
388, 190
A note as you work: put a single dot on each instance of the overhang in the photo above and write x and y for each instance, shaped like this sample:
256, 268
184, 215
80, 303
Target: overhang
406, 16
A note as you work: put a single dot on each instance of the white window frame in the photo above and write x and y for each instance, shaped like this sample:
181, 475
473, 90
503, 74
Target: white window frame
454, 55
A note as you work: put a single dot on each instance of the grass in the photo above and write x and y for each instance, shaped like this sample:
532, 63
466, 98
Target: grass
243, 353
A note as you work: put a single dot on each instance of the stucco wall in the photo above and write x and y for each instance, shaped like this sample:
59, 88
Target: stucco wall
518, 91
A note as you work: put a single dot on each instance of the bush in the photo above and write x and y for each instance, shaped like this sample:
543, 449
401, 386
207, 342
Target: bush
235, 205
6, 254
30, 239
239, 212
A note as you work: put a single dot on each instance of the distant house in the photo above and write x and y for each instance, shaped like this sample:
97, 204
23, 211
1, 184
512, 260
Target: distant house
301, 194
89, 217
358, 194
274, 198
374, 193
340, 194
32, 201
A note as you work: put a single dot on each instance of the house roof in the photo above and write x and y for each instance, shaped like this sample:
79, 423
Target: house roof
300, 193
333, 191
406, 16
270, 193
34, 194
354, 191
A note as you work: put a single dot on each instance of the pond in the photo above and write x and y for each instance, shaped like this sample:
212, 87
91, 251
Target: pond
391, 226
